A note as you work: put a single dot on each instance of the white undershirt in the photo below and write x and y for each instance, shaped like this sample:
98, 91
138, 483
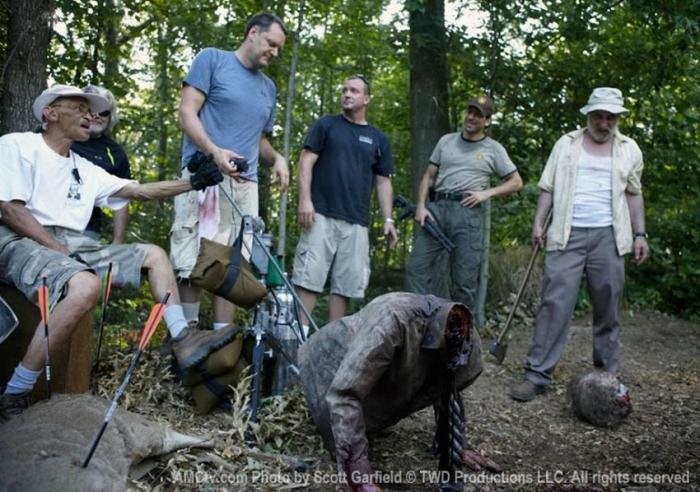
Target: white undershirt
593, 191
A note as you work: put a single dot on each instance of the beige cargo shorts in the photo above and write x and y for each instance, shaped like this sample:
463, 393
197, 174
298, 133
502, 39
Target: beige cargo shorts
184, 233
335, 246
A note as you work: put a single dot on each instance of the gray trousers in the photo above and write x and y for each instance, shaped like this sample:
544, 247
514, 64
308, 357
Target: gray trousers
593, 251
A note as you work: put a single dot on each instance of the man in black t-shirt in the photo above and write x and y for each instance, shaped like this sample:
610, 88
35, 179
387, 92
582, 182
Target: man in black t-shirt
104, 152
343, 158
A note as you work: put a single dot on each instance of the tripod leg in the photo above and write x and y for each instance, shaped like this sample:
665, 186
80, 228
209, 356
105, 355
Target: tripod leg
258, 355
277, 346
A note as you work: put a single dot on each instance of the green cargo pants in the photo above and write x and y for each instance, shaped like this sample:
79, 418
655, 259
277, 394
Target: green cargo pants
465, 228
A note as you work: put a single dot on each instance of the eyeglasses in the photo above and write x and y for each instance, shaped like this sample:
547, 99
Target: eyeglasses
81, 108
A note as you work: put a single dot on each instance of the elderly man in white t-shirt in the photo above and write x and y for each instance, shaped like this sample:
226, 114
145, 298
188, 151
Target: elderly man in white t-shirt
47, 194
592, 183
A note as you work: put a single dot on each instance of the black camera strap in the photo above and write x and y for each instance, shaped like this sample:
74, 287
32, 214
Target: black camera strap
234, 267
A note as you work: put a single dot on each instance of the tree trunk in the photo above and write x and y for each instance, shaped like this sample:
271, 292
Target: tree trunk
282, 227
24, 71
496, 28
428, 67
163, 100
429, 96
111, 44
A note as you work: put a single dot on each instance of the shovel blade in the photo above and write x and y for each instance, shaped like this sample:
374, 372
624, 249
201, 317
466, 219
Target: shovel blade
498, 350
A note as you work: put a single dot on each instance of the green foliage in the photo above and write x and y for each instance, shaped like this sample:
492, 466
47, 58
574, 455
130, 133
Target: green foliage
553, 53
539, 59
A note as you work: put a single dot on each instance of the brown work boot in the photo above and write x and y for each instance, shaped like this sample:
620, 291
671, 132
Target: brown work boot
12, 405
192, 346
526, 390
166, 347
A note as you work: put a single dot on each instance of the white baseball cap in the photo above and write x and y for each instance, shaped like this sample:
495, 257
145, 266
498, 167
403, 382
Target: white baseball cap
605, 99
97, 102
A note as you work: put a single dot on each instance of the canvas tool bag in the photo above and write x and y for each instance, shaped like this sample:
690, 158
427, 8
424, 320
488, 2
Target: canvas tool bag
223, 271
212, 392
218, 362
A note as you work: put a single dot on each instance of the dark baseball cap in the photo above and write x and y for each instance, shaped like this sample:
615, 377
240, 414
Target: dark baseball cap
483, 103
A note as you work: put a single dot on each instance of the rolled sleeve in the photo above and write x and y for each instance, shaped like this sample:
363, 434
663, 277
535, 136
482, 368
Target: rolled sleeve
546, 182
634, 180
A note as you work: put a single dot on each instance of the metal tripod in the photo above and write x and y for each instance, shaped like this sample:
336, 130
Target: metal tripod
275, 317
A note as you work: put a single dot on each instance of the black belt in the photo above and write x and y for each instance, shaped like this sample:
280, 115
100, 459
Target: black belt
456, 196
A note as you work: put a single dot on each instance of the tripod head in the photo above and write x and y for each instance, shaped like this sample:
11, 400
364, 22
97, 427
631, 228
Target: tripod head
260, 251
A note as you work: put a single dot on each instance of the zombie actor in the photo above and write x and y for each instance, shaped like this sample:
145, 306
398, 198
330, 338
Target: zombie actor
399, 354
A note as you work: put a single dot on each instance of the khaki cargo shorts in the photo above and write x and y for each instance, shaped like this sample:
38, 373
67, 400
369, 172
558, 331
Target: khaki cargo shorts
23, 262
184, 233
339, 247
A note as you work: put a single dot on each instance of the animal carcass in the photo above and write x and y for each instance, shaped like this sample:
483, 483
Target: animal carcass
44, 447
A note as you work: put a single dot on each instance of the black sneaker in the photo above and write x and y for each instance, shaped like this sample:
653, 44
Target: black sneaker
12, 405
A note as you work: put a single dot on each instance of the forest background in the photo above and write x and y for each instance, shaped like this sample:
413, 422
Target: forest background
539, 59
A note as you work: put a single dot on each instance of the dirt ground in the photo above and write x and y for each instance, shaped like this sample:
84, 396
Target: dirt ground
540, 445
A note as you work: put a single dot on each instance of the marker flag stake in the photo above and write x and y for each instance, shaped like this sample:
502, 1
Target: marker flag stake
149, 328
44, 310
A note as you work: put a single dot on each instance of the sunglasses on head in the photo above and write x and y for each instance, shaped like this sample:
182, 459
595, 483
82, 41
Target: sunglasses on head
363, 79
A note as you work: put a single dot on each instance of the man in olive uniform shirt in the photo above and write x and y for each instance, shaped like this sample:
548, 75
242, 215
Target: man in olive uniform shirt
460, 170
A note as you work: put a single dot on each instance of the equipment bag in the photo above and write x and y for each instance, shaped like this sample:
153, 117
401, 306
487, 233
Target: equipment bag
218, 362
223, 271
216, 391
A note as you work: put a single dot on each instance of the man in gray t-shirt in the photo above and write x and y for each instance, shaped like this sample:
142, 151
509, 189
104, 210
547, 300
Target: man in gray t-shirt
460, 170
227, 110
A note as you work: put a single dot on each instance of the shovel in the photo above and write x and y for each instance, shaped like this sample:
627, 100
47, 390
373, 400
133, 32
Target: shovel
498, 347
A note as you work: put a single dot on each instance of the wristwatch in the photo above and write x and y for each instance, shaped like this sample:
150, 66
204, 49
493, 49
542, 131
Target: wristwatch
641, 234
388, 220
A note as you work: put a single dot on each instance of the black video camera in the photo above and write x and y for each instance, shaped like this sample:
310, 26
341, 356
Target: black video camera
200, 158
241, 164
